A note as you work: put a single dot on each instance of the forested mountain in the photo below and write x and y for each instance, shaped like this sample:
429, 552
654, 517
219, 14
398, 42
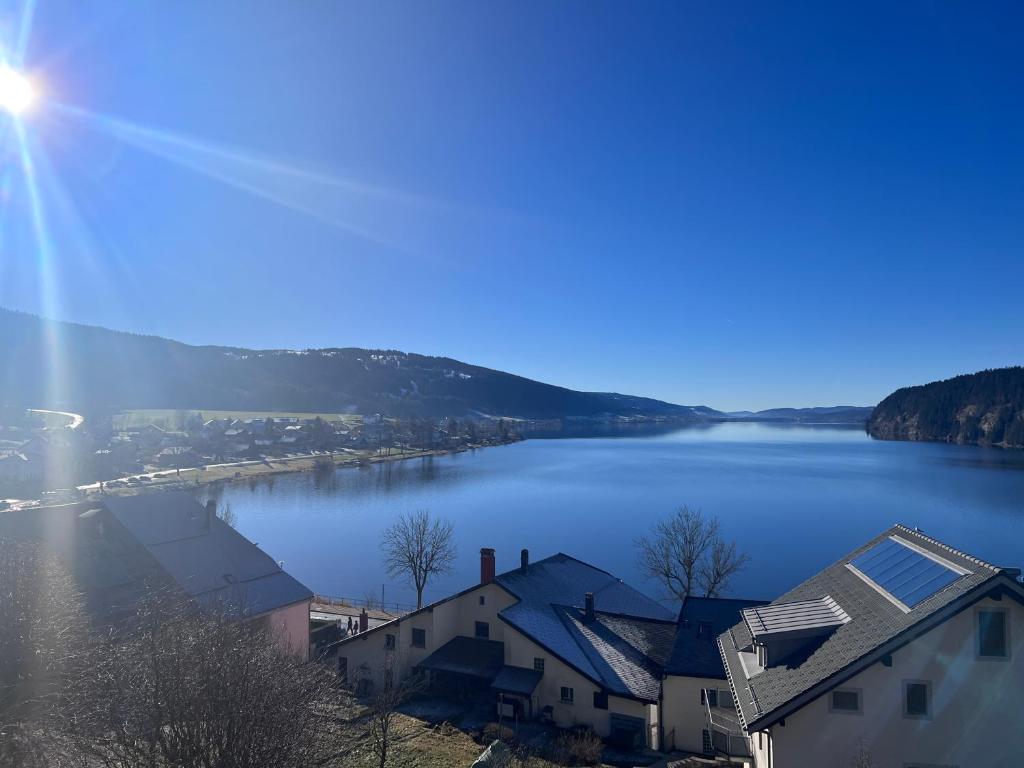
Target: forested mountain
835, 414
48, 364
986, 408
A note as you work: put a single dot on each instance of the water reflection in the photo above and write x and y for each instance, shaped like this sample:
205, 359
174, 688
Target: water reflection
795, 497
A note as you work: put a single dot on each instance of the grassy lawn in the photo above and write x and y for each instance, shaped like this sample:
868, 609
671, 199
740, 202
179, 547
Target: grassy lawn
170, 418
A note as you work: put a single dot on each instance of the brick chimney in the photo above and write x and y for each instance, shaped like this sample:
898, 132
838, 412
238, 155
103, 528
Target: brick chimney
588, 613
486, 565
364, 620
524, 560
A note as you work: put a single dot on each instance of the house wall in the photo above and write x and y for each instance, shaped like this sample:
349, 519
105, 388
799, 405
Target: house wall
367, 652
367, 657
520, 651
290, 625
975, 706
683, 715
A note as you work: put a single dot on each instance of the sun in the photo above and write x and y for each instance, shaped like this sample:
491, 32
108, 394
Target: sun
16, 93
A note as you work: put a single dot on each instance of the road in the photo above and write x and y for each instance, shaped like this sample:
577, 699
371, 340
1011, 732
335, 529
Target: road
75, 419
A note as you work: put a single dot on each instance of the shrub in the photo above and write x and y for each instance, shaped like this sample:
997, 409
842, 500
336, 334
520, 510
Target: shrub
497, 731
578, 747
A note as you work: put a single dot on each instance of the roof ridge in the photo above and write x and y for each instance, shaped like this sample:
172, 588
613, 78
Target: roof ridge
941, 545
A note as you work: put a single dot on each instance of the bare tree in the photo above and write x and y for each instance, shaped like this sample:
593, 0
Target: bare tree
198, 690
384, 701
418, 547
227, 514
43, 633
687, 555
862, 757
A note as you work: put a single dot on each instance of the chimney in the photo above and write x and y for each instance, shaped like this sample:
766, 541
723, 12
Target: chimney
486, 565
364, 621
588, 599
211, 512
524, 560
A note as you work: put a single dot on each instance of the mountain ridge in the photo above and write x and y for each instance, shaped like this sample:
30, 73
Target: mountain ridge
105, 369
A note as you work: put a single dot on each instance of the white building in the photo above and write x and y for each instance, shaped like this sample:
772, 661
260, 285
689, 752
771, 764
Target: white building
906, 651
563, 641
557, 639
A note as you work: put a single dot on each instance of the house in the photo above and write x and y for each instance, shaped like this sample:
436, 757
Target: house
120, 549
695, 686
906, 649
177, 456
557, 639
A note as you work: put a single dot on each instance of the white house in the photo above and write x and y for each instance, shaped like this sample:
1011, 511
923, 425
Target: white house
906, 651
695, 687
557, 639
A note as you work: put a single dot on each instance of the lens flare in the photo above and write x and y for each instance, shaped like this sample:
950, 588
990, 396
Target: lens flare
16, 93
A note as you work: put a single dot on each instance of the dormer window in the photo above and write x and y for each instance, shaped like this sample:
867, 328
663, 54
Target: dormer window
784, 631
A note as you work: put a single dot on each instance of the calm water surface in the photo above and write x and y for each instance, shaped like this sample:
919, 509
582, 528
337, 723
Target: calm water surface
795, 498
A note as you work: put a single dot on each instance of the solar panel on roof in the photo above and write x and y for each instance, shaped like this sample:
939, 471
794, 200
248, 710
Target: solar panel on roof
906, 574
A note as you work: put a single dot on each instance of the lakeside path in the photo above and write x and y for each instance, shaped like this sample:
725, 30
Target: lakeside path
192, 477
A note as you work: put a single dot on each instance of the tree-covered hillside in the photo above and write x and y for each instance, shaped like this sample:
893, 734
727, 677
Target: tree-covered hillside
47, 364
986, 408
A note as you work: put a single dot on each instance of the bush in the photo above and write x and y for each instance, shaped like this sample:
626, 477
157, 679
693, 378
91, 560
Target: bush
578, 747
494, 731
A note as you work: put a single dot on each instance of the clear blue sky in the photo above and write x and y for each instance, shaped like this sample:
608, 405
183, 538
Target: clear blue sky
742, 205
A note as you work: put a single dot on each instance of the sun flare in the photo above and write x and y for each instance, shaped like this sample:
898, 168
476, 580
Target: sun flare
16, 92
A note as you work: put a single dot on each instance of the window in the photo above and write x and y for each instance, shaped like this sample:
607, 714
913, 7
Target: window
389, 642
725, 699
568, 694
419, 638
916, 698
992, 641
709, 696
844, 701
483, 600
483, 630
600, 700
538, 664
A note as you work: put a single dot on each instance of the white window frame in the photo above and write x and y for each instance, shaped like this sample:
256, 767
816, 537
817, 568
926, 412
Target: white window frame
572, 694
977, 632
839, 710
928, 699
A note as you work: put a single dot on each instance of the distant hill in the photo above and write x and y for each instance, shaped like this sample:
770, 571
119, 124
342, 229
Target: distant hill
985, 408
48, 364
835, 414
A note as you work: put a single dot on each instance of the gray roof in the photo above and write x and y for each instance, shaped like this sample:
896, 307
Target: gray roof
208, 559
467, 656
800, 617
518, 680
622, 650
876, 626
695, 651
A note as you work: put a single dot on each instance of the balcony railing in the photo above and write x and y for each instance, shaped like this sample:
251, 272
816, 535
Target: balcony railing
727, 735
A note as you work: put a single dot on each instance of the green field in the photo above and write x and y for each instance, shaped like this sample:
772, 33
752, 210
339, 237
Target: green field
176, 419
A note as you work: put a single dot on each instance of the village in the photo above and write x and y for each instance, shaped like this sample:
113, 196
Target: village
53, 453
875, 661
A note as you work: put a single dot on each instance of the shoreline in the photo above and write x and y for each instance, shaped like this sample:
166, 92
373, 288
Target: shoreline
196, 477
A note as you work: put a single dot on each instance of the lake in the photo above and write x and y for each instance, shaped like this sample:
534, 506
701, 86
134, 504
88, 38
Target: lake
795, 498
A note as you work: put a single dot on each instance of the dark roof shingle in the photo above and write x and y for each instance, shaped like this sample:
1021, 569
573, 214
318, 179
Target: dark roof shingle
874, 621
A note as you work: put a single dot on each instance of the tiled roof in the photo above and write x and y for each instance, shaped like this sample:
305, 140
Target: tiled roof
874, 621
695, 653
622, 649
207, 558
